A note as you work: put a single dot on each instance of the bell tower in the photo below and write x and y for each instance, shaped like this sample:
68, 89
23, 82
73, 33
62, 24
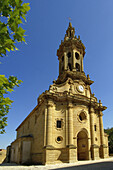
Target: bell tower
70, 55
71, 52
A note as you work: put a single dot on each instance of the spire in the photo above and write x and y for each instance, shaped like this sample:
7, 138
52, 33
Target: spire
70, 31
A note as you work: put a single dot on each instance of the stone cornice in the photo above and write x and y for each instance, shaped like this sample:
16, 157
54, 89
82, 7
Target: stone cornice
72, 98
74, 75
66, 96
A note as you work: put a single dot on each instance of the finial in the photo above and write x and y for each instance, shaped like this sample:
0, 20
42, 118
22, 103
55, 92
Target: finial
70, 25
88, 77
100, 103
78, 37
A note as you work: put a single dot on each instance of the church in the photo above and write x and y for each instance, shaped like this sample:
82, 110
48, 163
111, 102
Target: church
66, 125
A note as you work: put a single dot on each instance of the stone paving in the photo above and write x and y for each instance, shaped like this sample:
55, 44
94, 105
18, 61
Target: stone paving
102, 164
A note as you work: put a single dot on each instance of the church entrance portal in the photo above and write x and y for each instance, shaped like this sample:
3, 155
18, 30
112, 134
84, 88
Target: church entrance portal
82, 146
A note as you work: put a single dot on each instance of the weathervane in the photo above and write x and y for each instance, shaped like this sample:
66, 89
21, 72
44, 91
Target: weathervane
69, 19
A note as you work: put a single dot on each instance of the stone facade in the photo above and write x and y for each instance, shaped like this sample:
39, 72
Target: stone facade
66, 125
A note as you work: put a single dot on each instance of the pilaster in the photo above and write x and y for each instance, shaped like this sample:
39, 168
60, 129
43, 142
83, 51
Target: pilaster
92, 125
49, 124
73, 55
82, 69
102, 146
72, 150
94, 147
65, 61
70, 123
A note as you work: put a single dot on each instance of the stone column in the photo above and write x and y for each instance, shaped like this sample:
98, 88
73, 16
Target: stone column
73, 60
65, 61
49, 124
70, 124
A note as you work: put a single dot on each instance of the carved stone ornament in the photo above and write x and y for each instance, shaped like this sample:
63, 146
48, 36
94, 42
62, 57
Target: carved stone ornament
63, 111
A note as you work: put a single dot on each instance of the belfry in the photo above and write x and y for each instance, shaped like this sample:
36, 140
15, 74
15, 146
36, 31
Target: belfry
66, 125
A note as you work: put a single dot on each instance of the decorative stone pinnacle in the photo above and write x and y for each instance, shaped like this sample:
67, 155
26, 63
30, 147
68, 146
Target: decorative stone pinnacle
70, 25
100, 103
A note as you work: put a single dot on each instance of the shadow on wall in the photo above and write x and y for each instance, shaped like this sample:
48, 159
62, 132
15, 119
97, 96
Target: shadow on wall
97, 166
2, 155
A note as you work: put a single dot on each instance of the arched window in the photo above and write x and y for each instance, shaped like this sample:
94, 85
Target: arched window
69, 54
77, 67
77, 56
69, 66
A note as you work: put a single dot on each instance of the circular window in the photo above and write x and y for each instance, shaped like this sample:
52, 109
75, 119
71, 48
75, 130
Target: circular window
59, 139
82, 117
77, 56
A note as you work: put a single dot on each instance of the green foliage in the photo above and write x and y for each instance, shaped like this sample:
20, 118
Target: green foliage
6, 85
12, 15
110, 138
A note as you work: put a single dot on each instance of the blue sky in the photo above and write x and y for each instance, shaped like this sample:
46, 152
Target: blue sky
37, 65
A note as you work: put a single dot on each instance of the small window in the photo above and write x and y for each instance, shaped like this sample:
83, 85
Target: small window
95, 127
70, 33
96, 139
77, 56
58, 139
69, 54
58, 123
77, 67
62, 58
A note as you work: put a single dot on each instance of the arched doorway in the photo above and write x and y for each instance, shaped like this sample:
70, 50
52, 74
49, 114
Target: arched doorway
82, 145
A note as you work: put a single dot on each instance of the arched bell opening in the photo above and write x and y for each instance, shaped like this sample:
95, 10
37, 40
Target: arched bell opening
69, 67
77, 67
82, 146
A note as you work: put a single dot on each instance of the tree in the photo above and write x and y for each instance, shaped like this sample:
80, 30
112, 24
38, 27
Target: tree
110, 139
12, 16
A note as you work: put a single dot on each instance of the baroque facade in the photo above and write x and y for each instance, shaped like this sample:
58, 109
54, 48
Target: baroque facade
66, 125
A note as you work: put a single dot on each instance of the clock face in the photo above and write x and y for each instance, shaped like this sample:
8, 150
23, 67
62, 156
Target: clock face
80, 88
